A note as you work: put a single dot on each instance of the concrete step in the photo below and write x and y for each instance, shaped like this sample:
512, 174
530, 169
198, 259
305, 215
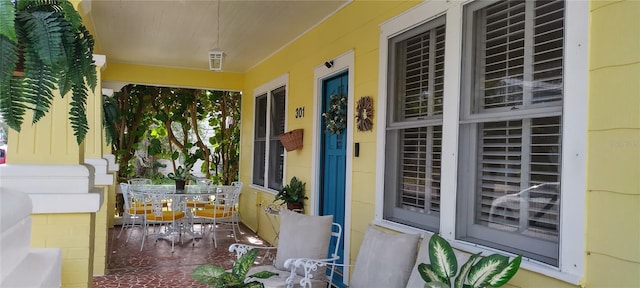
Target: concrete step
46, 261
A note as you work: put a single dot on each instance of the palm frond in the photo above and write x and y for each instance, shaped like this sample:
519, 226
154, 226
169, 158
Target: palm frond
7, 20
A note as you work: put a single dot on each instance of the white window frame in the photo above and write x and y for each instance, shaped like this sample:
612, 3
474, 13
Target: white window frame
572, 224
266, 88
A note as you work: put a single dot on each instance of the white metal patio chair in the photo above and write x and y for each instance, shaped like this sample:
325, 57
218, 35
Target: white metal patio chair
223, 213
303, 257
165, 222
134, 210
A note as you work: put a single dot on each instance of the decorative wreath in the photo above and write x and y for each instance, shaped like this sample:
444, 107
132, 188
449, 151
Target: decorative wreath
364, 114
336, 117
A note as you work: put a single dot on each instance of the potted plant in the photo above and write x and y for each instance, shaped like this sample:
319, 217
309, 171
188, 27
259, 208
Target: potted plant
180, 175
43, 44
494, 270
292, 194
216, 276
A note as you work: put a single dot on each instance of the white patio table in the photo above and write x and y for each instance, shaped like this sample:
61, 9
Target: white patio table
198, 196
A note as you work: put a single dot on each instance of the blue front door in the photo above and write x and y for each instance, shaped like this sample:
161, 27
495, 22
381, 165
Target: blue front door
333, 163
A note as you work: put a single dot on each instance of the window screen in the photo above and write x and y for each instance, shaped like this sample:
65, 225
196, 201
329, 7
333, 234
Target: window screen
511, 135
412, 186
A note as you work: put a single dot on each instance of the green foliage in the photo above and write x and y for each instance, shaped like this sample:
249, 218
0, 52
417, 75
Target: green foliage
292, 192
181, 173
57, 51
494, 270
217, 277
224, 118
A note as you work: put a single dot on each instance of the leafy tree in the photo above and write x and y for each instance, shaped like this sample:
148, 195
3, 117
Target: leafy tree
224, 118
127, 118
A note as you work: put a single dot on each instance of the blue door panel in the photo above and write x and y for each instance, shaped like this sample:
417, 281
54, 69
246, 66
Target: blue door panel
333, 176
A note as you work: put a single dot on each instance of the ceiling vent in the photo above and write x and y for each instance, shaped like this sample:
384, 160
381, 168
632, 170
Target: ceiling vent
215, 60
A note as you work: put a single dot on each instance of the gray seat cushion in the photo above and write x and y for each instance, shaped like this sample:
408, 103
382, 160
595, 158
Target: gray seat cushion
303, 236
384, 259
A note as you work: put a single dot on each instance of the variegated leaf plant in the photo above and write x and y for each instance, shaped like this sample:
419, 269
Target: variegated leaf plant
217, 277
494, 270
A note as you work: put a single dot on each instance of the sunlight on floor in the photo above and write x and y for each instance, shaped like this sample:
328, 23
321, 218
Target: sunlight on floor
255, 241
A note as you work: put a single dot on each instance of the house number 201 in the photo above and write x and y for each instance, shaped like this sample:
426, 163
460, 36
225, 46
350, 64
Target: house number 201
300, 112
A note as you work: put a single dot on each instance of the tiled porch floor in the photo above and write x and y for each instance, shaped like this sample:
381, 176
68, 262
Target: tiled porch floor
156, 266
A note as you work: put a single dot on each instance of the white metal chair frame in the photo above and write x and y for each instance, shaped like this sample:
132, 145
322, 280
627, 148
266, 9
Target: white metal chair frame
172, 218
133, 212
309, 265
224, 211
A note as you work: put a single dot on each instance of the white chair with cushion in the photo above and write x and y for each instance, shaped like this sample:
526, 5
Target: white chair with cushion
166, 223
303, 258
223, 213
134, 210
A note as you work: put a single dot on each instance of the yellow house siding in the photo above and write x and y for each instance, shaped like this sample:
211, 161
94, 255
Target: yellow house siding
49, 141
73, 234
613, 196
173, 77
354, 28
101, 236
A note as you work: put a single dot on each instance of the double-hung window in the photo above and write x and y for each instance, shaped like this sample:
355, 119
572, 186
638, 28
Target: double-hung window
484, 127
268, 152
511, 126
414, 129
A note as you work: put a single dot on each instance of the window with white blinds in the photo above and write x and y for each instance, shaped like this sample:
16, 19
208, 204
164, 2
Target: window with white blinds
268, 152
510, 134
414, 134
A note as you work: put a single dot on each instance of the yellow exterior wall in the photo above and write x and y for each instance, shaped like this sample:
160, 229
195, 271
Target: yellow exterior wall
613, 195
101, 236
73, 233
49, 141
172, 77
356, 27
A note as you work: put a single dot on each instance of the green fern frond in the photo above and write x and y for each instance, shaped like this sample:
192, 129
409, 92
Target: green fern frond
58, 51
40, 5
39, 82
8, 57
43, 31
71, 15
109, 118
7, 20
12, 106
84, 47
77, 113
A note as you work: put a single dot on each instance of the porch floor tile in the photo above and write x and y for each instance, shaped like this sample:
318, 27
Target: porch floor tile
156, 266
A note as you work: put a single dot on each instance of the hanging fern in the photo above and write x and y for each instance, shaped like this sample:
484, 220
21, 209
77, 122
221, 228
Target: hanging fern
57, 51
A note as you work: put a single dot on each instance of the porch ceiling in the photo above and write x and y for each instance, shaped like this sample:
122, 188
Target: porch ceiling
181, 33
